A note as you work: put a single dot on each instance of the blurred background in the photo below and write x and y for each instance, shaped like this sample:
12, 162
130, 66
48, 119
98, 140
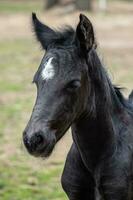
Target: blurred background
22, 176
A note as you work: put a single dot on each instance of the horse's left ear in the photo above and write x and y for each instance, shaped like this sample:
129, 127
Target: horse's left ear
85, 33
44, 34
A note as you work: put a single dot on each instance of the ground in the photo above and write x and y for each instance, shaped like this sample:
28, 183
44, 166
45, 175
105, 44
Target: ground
21, 176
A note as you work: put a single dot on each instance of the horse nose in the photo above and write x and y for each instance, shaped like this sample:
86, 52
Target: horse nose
35, 143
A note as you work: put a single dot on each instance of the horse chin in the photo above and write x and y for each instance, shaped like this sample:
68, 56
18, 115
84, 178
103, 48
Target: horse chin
48, 151
45, 152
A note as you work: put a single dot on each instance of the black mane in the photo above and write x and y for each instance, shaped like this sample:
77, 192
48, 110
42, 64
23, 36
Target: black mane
112, 95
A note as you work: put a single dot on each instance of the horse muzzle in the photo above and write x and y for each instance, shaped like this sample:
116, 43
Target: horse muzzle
40, 143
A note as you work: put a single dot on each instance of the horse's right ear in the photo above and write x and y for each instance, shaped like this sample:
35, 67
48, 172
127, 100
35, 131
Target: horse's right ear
44, 34
85, 33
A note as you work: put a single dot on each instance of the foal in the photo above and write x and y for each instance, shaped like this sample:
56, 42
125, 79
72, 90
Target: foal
73, 89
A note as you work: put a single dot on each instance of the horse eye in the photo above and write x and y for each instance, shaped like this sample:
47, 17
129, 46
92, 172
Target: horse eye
73, 85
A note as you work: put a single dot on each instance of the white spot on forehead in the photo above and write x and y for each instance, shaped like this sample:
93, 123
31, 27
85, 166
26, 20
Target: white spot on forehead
48, 71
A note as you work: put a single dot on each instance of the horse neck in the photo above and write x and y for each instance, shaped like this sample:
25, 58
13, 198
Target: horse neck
94, 132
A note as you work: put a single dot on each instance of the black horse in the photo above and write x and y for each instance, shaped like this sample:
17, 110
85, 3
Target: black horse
74, 90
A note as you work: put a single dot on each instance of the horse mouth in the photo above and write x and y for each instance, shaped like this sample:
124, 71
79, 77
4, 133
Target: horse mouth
47, 151
37, 149
44, 152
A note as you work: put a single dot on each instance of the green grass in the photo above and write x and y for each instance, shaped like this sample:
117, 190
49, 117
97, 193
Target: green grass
20, 6
15, 57
21, 182
19, 179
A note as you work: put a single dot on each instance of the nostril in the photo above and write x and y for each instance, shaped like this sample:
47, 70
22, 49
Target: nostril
34, 143
37, 140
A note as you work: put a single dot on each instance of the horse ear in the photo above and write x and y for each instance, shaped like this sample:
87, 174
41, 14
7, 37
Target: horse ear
85, 33
43, 33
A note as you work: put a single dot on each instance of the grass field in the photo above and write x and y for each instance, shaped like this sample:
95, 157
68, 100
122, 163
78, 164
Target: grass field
14, 6
21, 176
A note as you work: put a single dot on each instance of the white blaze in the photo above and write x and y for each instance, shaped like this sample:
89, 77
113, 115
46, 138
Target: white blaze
48, 71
